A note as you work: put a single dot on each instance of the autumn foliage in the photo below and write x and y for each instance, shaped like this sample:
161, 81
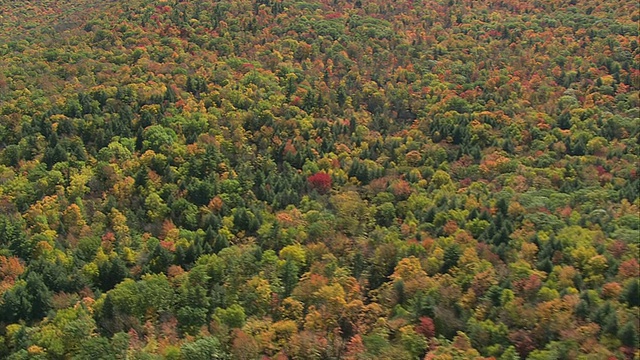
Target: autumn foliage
314, 179
320, 181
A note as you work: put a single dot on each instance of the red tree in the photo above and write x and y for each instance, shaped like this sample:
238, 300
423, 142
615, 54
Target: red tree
426, 327
320, 181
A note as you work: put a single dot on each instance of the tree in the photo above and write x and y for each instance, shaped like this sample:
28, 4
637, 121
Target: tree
353, 213
95, 348
629, 335
320, 181
415, 344
16, 303
132, 301
65, 333
111, 272
289, 277
385, 214
28, 299
426, 327
206, 348
632, 293
233, 316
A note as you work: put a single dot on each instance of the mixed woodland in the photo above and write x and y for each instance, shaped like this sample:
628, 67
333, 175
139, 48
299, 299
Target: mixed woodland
319, 179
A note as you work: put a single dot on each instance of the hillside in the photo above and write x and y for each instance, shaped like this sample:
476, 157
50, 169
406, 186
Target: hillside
319, 180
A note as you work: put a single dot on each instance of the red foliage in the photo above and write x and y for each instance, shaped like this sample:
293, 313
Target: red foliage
426, 327
289, 148
169, 245
320, 181
169, 332
108, 240
164, 9
379, 185
565, 212
175, 271
628, 351
611, 290
523, 342
244, 346
355, 347
618, 248
167, 226
109, 237
629, 268
529, 286
10, 268
401, 189
484, 252
450, 227
335, 15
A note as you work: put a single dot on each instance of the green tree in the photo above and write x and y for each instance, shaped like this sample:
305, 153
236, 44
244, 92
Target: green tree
233, 316
207, 348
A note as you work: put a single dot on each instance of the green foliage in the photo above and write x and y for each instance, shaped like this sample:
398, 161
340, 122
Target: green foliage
233, 316
29, 299
202, 349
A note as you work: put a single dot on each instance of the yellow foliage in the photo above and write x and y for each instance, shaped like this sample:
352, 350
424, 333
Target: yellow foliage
35, 350
295, 253
90, 270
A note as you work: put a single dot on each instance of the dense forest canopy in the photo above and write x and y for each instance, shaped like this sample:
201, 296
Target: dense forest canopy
321, 179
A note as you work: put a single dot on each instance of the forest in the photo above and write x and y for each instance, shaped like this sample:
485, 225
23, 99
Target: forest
319, 179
